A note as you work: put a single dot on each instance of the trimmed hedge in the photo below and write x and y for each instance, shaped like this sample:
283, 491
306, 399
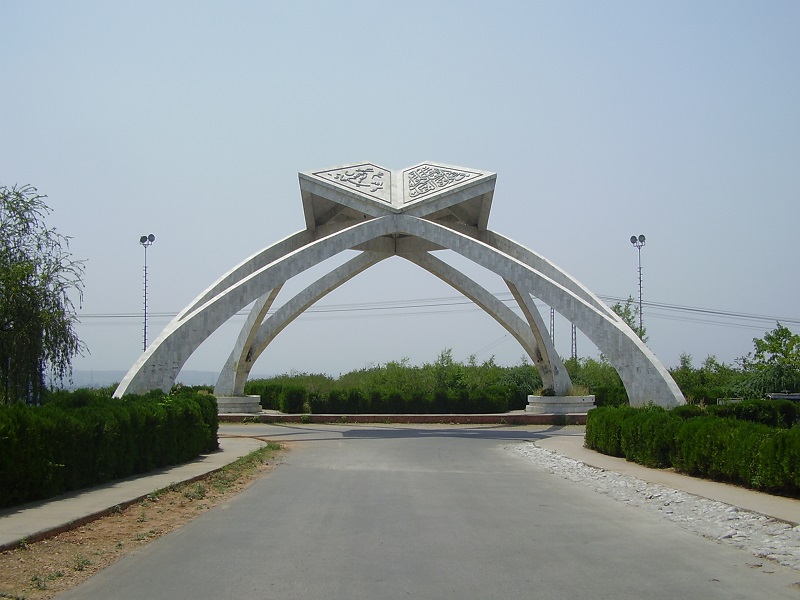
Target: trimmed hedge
774, 413
81, 439
445, 386
755, 444
294, 399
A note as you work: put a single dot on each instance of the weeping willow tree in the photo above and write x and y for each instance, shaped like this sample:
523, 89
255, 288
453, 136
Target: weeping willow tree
37, 315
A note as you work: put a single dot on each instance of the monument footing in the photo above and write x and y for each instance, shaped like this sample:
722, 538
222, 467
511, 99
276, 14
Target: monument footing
250, 405
559, 405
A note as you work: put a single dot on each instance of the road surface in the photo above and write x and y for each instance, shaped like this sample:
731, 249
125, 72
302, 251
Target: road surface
435, 512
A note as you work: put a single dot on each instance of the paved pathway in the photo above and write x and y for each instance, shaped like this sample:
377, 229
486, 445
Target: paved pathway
428, 512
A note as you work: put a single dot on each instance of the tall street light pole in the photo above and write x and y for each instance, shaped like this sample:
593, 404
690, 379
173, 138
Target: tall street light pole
146, 241
638, 242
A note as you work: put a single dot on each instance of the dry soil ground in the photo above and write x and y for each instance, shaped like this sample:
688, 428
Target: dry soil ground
42, 570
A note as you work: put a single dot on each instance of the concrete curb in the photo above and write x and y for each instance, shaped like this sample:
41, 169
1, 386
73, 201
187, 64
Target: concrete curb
510, 418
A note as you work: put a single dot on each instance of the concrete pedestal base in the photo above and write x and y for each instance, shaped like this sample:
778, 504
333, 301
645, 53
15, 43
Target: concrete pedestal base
559, 405
238, 404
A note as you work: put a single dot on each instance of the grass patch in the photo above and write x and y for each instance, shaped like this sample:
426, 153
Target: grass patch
81, 562
232, 473
38, 582
195, 492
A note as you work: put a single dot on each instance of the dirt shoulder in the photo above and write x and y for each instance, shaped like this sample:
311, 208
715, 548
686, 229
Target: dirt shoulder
46, 568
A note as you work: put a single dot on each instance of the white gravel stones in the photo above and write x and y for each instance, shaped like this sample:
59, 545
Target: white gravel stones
764, 537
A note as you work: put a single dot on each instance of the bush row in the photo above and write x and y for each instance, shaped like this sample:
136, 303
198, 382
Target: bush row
290, 398
80, 439
775, 413
725, 445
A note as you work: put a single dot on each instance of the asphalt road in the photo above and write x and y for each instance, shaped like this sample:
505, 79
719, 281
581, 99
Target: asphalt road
369, 512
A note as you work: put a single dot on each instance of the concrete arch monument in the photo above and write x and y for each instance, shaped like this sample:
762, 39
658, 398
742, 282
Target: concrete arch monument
411, 214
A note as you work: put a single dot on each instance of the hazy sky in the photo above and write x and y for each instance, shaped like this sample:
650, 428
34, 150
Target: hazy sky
190, 120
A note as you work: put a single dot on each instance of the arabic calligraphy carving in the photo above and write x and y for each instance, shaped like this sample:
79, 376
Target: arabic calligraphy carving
426, 179
366, 178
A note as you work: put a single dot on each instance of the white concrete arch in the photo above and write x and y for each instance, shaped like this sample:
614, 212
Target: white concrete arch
255, 338
529, 335
410, 213
240, 353
160, 364
645, 378
258, 334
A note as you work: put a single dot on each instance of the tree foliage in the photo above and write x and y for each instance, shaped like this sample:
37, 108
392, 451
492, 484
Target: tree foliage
600, 378
445, 385
709, 382
629, 312
774, 365
37, 315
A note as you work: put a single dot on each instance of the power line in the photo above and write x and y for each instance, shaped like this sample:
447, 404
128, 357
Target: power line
708, 311
492, 345
460, 304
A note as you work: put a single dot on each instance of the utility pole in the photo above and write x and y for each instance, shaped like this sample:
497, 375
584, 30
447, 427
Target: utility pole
146, 241
638, 243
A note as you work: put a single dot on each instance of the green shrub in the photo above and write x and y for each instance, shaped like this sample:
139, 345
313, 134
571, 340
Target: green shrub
395, 402
419, 402
82, 439
291, 399
604, 428
647, 437
356, 402
445, 386
269, 394
720, 448
774, 413
377, 402
779, 463
688, 411
444, 401
494, 399
705, 443
336, 401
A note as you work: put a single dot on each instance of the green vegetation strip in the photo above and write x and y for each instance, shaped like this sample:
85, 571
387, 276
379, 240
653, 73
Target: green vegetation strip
228, 475
445, 386
224, 478
86, 438
755, 444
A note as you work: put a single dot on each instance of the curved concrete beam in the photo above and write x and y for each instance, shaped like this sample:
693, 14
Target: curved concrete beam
553, 373
645, 379
160, 364
258, 261
546, 354
233, 377
249, 266
240, 352
545, 267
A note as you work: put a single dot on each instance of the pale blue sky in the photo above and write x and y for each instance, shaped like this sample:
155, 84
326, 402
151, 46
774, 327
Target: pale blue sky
191, 120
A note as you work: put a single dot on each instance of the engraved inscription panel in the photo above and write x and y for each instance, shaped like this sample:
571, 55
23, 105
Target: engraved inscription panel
424, 180
368, 179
